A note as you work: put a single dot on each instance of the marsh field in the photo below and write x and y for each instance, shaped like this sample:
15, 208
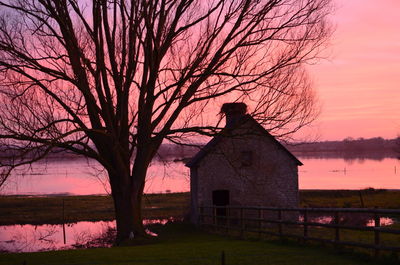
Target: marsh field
58, 209
178, 243
38, 201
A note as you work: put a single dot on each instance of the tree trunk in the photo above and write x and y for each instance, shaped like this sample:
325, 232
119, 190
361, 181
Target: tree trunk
128, 217
129, 222
127, 196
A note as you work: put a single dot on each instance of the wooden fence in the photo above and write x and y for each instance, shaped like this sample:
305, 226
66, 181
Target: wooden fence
314, 224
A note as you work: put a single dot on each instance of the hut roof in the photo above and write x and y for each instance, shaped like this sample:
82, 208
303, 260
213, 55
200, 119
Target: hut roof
228, 128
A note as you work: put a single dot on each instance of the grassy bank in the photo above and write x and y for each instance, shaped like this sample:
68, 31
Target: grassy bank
182, 244
39, 210
366, 198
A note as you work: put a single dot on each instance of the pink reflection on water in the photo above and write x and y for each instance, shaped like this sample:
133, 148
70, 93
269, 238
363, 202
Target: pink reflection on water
82, 177
384, 221
33, 238
327, 219
73, 176
78, 176
335, 173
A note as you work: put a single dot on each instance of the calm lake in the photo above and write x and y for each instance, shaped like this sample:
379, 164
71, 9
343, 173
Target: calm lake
79, 176
82, 177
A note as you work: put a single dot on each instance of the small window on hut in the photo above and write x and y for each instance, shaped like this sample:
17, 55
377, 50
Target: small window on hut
246, 158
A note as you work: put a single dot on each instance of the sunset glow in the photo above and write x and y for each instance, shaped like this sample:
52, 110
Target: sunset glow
358, 84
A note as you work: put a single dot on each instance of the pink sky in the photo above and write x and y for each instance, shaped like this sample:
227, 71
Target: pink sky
359, 84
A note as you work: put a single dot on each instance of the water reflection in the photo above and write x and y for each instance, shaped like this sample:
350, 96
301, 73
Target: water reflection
338, 173
82, 177
352, 220
34, 238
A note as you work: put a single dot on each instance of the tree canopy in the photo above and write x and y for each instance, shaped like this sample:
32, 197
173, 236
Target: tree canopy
111, 80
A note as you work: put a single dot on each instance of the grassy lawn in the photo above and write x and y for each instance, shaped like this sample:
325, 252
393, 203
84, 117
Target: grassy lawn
182, 244
40, 210
346, 235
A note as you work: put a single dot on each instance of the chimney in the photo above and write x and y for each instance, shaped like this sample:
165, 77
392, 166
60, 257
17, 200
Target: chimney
233, 112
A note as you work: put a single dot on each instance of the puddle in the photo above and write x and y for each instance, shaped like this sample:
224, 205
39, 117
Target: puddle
35, 238
384, 221
345, 220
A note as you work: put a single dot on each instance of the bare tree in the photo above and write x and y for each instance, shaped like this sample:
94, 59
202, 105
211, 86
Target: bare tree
111, 80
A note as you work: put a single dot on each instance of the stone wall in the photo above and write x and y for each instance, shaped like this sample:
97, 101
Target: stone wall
252, 166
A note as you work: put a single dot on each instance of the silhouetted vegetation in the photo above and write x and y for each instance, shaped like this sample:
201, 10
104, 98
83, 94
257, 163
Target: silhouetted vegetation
373, 148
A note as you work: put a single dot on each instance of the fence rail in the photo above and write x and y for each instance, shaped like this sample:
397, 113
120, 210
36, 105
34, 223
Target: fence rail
311, 224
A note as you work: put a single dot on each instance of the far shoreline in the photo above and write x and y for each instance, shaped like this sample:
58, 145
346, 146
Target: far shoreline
66, 194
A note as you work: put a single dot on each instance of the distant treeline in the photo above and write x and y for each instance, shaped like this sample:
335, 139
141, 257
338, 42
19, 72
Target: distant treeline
374, 148
349, 148
177, 152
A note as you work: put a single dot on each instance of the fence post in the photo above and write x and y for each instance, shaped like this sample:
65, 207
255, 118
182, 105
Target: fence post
214, 215
377, 232
201, 216
228, 219
260, 217
223, 258
63, 224
280, 224
305, 226
337, 231
242, 226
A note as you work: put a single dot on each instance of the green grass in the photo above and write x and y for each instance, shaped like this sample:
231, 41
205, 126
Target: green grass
182, 244
40, 210
346, 235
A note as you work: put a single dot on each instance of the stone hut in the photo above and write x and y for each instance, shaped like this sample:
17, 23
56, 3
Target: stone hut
243, 165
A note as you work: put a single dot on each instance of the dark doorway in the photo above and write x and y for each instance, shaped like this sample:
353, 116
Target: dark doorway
221, 198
